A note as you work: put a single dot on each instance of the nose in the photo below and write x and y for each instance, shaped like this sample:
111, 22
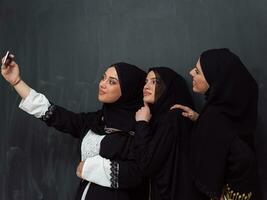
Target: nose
192, 72
146, 86
102, 84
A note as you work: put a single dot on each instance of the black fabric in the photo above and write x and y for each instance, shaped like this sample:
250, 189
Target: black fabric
160, 147
232, 89
222, 140
176, 91
119, 115
163, 157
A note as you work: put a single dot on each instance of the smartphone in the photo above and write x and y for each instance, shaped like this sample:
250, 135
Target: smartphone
5, 58
8, 58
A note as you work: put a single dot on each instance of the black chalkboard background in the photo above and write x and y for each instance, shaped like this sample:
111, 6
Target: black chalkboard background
63, 47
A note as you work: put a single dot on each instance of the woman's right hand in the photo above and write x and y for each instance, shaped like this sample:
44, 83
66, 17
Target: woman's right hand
143, 114
187, 112
10, 71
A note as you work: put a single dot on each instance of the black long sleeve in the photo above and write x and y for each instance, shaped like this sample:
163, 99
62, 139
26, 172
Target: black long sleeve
66, 121
154, 145
151, 151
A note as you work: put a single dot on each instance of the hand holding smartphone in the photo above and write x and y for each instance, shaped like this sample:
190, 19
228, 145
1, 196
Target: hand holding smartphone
8, 58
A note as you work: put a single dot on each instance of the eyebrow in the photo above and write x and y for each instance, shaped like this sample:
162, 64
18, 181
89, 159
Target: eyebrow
111, 77
152, 78
114, 78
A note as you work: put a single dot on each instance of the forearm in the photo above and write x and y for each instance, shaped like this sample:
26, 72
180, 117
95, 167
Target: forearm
112, 174
63, 120
22, 89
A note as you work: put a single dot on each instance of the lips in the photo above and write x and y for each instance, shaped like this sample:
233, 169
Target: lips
147, 93
101, 92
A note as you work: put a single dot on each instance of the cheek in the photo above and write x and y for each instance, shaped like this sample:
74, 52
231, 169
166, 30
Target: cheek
200, 85
115, 93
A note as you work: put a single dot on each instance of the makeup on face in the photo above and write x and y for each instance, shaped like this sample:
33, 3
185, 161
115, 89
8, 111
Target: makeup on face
200, 85
109, 87
149, 87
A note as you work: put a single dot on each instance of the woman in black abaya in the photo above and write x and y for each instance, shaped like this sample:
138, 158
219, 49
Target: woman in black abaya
160, 142
222, 143
120, 91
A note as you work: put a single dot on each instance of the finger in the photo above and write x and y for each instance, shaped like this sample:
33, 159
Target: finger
11, 56
180, 107
5, 68
12, 63
185, 114
138, 111
175, 106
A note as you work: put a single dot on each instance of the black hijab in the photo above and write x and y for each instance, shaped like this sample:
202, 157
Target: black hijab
175, 91
120, 114
229, 116
163, 158
232, 89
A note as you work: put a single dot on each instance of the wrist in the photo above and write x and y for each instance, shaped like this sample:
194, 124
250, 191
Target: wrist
144, 120
15, 82
195, 116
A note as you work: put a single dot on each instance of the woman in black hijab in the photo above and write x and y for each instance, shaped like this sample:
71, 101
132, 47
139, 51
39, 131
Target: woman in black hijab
121, 97
160, 143
222, 143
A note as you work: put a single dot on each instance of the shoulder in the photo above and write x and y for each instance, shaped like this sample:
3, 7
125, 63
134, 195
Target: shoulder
214, 114
174, 117
213, 119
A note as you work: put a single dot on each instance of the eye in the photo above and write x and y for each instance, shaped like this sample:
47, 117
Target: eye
197, 71
158, 82
112, 82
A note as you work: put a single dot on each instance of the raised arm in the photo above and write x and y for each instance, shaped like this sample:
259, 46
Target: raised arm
38, 105
10, 71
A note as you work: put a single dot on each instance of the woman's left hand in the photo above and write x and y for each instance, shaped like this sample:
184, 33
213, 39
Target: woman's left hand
187, 112
143, 114
80, 169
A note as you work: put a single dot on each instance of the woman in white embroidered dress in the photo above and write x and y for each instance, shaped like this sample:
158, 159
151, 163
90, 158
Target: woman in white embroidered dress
121, 97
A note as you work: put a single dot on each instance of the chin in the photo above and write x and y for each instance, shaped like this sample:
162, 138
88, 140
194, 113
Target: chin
148, 100
101, 99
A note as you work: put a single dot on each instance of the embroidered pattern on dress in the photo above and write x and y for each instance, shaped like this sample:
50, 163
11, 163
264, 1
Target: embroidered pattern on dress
229, 194
48, 114
91, 145
114, 174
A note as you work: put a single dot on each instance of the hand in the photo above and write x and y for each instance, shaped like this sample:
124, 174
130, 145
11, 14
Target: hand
10, 71
80, 169
143, 114
187, 112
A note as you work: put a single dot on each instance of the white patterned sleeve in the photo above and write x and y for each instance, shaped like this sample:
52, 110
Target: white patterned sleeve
35, 104
97, 170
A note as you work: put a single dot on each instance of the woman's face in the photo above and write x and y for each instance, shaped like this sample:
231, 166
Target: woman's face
200, 85
109, 86
150, 87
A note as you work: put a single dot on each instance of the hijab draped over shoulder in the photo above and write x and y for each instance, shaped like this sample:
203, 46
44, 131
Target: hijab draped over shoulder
222, 141
163, 157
